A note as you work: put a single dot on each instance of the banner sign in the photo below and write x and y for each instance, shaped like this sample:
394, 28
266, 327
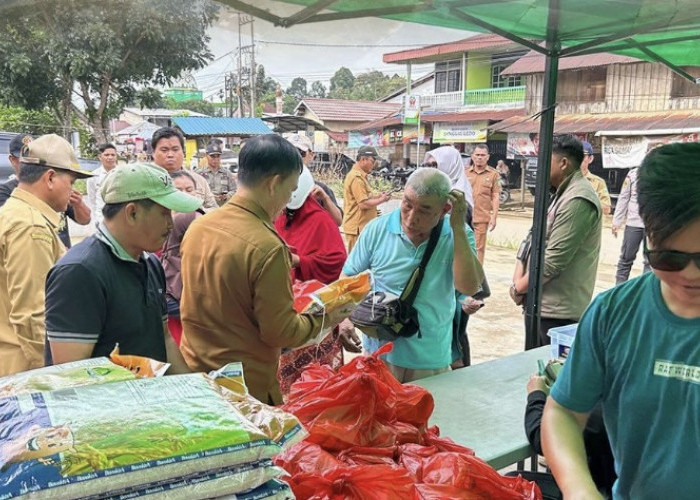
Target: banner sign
411, 109
460, 132
521, 144
366, 138
629, 151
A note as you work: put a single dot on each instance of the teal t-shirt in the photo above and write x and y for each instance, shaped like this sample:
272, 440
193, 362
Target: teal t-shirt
384, 249
643, 362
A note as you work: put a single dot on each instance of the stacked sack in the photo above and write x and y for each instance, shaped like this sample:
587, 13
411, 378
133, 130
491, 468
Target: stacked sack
368, 439
95, 429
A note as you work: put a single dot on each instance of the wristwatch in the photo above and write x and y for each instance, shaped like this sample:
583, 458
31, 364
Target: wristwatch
515, 292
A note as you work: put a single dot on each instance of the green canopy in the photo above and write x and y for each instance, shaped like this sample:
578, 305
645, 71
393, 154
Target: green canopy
653, 30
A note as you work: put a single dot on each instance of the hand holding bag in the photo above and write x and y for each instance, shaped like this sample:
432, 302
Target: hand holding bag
385, 316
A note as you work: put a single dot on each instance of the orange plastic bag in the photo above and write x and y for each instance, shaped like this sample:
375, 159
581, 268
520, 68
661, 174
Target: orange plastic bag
140, 366
306, 457
303, 291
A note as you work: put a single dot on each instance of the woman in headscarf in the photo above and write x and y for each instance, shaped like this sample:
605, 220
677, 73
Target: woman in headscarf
448, 160
318, 253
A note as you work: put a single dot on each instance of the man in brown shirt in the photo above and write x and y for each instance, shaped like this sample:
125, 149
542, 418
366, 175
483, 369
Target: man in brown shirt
237, 302
484, 181
359, 204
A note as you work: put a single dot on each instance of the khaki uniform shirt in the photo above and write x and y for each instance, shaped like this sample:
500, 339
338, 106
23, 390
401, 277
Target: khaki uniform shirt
237, 302
221, 182
356, 189
484, 186
203, 191
29, 246
600, 188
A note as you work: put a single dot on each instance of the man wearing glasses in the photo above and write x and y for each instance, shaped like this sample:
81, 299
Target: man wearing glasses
637, 351
358, 201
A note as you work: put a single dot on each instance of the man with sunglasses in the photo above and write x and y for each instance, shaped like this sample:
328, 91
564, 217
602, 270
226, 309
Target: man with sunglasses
637, 351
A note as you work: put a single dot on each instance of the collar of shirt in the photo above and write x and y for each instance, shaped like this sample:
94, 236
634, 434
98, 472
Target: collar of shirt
394, 224
358, 171
106, 237
472, 169
252, 207
53, 217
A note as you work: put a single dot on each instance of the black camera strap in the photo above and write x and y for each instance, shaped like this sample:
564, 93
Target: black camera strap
410, 291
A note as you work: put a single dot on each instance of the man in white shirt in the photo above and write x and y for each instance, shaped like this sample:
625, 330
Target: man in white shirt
108, 159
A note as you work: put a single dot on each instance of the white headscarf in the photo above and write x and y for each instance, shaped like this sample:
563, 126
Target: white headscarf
449, 161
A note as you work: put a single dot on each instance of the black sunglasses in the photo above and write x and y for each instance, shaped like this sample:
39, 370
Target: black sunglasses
670, 260
432, 164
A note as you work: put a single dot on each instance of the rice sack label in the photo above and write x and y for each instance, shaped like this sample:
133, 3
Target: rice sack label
76, 374
90, 440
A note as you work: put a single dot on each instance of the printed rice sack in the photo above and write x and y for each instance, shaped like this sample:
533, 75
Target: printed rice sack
90, 440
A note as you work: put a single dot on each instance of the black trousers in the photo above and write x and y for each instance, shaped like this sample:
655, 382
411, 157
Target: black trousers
631, 240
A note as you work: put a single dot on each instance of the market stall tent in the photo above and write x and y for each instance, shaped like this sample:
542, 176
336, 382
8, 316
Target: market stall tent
651, 30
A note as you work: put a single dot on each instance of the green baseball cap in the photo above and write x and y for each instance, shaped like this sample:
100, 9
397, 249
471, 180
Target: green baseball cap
145, 181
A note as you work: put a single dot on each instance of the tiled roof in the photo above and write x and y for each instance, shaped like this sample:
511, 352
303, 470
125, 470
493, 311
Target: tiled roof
568, 124
533, 62
432, 52
338, 136
340, 110
194, 126
465, 116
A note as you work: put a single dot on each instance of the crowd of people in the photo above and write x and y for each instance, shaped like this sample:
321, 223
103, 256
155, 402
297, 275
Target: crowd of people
197, 268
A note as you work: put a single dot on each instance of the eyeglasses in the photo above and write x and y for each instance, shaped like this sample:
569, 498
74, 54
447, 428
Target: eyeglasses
670, 260
432, 164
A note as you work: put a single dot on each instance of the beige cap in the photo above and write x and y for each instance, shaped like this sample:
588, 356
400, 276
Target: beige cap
54, 152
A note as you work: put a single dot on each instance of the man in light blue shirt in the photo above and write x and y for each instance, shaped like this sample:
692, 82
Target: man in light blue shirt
392, 246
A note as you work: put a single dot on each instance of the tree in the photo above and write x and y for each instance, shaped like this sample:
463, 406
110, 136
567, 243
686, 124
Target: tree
318, 90
342, 83
99, 52
196, 105
297, 89
375, 85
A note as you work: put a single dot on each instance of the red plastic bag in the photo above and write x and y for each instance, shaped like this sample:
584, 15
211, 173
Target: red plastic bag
357, 411
414, 404
370, 482
306, 457
432, 437
363, 455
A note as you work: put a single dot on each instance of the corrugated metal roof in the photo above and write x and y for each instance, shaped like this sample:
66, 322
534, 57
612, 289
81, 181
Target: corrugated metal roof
162, 112
195, 126
433, 52
533, 62
465, 116
340, 110
568, 124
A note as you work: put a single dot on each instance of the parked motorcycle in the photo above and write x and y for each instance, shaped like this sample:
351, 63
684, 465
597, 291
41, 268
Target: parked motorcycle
504, 197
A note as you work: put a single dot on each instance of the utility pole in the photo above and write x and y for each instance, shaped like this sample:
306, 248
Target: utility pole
246, 75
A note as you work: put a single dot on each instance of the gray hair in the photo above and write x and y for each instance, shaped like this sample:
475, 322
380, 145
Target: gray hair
429, 182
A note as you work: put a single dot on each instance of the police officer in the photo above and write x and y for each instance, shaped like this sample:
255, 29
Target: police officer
221, 181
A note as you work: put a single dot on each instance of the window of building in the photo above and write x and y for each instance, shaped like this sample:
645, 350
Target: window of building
499, 62
448, 76
582, 85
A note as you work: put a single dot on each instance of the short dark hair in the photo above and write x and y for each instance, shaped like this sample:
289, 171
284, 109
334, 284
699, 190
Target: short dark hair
166, 133
182, 173
107, 145
265, 156
29, 173
667, 189
482, 146
570, 147
110, 210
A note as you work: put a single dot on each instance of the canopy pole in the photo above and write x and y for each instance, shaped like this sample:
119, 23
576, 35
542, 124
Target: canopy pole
544, 155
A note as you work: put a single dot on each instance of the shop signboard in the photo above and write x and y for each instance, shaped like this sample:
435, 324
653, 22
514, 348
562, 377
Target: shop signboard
365, 138
460, 132
522, 145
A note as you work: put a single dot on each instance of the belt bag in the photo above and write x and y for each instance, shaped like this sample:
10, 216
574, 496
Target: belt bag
385, 316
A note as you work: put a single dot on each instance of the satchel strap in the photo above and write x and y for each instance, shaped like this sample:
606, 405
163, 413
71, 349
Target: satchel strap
410, 291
